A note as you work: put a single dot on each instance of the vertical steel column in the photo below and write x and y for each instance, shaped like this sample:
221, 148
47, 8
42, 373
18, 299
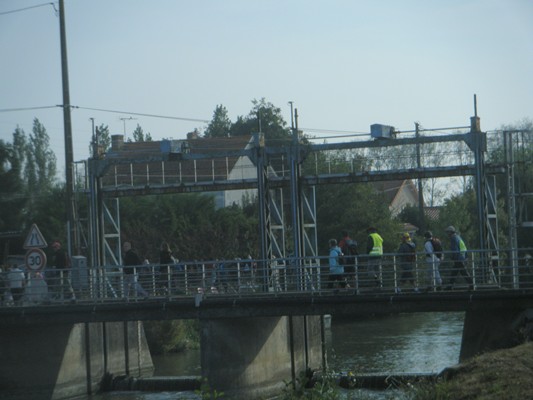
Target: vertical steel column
421, 216
295, 204
265, 231
511, 205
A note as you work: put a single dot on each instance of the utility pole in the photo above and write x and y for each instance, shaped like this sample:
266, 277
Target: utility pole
67, 122
421, 216
124, 119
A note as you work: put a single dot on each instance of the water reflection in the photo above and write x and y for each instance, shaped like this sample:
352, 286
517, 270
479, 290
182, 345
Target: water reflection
405, 343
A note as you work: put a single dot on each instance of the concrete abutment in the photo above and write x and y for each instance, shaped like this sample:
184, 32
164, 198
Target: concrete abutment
254, 357
492, 329
55, 362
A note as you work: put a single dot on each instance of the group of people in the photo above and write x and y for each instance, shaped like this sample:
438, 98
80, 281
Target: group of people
216, 276
24, 286
343, 261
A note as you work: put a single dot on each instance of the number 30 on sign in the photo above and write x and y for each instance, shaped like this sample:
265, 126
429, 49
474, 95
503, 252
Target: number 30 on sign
35, 260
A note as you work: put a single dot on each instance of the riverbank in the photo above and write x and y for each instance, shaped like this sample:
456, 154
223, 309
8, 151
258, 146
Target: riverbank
501, 374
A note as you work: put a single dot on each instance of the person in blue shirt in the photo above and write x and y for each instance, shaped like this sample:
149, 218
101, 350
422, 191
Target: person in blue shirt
336, 270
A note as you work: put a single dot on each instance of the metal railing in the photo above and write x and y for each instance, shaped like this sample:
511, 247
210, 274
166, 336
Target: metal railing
390, 273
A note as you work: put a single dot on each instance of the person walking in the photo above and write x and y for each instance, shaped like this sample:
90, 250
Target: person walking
374, 250
433, 250
61, 264
16, 281
130, 261
407, 256
458, 255
336, 270
166, 264
348, 247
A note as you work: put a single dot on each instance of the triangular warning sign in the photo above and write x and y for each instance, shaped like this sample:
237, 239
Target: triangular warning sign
34, 238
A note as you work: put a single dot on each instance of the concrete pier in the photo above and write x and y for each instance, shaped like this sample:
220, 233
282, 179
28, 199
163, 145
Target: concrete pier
54, 362
490, 329
252, 358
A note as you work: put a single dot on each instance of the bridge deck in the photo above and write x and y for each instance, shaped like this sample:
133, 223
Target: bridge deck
343, 303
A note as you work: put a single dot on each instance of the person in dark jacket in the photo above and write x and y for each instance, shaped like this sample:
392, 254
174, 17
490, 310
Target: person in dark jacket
407, 258
458, 254
166, 264
131, 261
61, 263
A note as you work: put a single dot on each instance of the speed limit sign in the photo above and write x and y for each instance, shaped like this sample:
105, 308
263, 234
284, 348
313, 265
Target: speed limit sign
35, 259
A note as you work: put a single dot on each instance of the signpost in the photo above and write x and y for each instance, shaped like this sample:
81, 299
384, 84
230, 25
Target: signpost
35, 257
35, 260
34, 239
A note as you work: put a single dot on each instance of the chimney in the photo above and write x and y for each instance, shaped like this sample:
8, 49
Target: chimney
192, 135
117, 141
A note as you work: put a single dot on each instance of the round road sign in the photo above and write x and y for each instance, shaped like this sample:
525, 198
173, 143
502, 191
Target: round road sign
35, 259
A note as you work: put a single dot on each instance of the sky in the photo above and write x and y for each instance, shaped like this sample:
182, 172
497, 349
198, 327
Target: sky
345, 64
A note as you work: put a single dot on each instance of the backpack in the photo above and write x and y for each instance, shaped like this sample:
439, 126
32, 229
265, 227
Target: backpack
411, 256
350, 248
341, 258
437, 247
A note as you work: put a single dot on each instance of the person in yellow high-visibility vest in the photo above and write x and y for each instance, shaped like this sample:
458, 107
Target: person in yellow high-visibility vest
458, 256
374, 250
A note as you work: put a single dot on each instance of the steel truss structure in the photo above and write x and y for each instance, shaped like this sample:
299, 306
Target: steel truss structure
103, 187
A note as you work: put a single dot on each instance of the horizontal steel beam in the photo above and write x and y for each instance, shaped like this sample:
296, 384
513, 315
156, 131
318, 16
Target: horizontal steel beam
309, 303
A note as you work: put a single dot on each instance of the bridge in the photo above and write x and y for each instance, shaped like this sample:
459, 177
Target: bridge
271, 309
242, 289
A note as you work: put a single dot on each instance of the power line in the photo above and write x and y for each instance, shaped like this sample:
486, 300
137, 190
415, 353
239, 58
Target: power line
141, 114
25, 108
28, 8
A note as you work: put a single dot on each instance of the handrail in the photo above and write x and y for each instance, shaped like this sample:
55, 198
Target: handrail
253, 277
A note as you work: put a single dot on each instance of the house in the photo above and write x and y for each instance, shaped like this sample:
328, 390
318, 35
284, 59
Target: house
399, 194
152, 171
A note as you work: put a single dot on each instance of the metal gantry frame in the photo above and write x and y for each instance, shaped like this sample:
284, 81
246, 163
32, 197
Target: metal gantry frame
104, 215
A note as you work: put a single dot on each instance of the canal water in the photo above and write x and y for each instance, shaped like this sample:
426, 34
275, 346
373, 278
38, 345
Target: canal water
397, 344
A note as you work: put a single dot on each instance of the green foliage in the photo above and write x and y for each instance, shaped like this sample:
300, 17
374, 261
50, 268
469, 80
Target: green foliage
461, 212
139, 135
220, 125
172, 336
354, 207
40, 171
207, 393
190, 224
12, 199
103, 137
305, 387
28, 178
264, 117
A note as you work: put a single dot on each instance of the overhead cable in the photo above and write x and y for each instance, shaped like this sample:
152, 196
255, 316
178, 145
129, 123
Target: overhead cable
27, 8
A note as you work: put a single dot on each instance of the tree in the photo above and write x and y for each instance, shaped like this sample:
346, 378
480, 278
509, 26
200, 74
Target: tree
41, 167
220, 125
12, 199
266, 118
103, 138
140, 136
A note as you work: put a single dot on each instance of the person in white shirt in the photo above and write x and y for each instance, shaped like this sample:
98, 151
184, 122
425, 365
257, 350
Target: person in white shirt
16, 280
434, 279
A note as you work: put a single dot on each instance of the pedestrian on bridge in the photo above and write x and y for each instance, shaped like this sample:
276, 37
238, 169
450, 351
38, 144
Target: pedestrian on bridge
131, 260
336, 270
166, 263
458, 255
16, 281
348, 247
374, 250
433, 250
61, 263
407, 257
